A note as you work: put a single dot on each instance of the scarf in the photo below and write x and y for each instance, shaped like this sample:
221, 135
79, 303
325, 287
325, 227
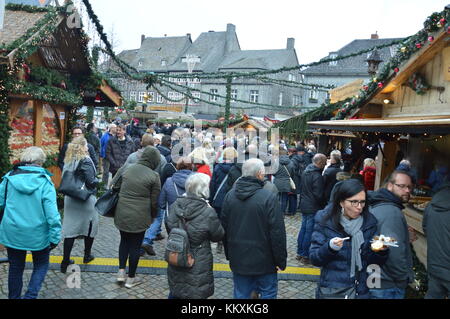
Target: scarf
353, 228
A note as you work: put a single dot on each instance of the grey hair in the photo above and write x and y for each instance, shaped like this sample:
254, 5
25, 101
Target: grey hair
197, 185
319, 158
336, 155
253, 167
33, 155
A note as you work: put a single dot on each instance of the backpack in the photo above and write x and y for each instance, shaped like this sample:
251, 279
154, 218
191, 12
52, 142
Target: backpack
178, 249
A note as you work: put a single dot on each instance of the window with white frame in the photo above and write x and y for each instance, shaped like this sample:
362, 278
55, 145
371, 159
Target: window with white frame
292, 77
151, 97
254, 96
132, 96
280, 99
296, 100
234, 94
213, 97
333, 56
393, 50
141, 97
176, 97
314, 93
159, 98
195, 101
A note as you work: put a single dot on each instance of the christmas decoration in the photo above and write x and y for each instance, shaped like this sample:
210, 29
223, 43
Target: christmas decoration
418, 84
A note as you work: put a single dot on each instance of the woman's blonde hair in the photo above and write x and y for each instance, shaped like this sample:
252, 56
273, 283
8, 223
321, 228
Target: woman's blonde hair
76, 150
369, 162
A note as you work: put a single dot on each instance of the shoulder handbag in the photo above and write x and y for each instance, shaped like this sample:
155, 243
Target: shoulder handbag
107, 203
73, 185
2, 211
293, 187
338, 293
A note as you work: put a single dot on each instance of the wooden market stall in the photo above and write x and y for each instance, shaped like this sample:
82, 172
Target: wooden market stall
412, 98
47, 74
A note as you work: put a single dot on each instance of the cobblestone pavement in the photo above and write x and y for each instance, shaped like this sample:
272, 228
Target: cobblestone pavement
100, 284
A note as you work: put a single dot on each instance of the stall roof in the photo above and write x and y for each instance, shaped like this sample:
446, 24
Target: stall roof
411, 125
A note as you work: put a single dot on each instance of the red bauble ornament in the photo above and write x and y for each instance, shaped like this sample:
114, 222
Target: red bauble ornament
430, 38
380, 84
365, 87
418, 45
396, 70
442, 21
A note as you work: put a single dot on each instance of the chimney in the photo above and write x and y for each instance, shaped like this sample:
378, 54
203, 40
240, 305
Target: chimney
142, 38
230, 38
374, 36
290, 44
188, 35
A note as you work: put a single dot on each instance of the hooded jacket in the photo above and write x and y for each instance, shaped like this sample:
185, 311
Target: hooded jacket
255, 241
387, 208
221, 171
139, 192
329, 178
31, 220
299, 167
312, 194
436, 225
335, 265
173, 188
203, 226
282, 176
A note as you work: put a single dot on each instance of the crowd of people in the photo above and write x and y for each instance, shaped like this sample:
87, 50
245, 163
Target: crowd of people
239, 204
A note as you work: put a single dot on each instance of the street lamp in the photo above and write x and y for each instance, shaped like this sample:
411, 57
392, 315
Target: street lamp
373, 61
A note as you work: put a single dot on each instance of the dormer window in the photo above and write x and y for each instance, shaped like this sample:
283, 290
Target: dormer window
163, 63
333, 56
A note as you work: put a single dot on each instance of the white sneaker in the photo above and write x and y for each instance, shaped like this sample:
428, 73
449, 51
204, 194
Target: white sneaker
132, 282
121, 276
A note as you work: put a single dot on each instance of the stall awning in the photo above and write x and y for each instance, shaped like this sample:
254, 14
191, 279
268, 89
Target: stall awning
412, 125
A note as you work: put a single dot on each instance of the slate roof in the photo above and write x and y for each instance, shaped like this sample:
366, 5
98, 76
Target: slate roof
17, 23
355, 65
154, 50
260, 59
210, 47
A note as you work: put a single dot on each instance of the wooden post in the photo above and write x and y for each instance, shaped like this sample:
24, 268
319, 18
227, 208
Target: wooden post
386, 163
38, 115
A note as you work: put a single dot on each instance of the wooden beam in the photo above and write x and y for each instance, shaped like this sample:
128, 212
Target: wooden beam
38, 116
417, 61
111, 94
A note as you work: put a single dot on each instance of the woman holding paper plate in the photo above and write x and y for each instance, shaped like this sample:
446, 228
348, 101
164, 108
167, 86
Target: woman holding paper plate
341, 244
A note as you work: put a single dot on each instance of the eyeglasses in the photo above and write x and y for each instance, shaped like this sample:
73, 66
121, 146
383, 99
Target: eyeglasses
403, 186
356, 203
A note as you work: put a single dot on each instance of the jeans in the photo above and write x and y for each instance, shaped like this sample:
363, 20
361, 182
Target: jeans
304, 236
391, 293
154, 229
265, 285
288, 199
41, 260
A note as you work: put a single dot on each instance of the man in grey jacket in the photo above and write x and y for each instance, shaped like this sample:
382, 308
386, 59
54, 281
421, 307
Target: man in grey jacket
386, 205
436, 225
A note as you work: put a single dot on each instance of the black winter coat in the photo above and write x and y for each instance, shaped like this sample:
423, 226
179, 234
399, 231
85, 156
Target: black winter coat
285, 172
203, 226
116, 155
329, 179
335, 265
436, 224
312, 195
299, 167
255, 240
220, 173
169, 169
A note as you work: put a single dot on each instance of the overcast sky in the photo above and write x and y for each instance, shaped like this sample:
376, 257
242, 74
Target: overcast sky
318, 26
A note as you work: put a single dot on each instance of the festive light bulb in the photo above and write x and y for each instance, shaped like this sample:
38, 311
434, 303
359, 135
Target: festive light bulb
403, 49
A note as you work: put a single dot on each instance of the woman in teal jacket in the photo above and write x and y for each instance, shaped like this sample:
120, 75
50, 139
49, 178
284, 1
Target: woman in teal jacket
31, 221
